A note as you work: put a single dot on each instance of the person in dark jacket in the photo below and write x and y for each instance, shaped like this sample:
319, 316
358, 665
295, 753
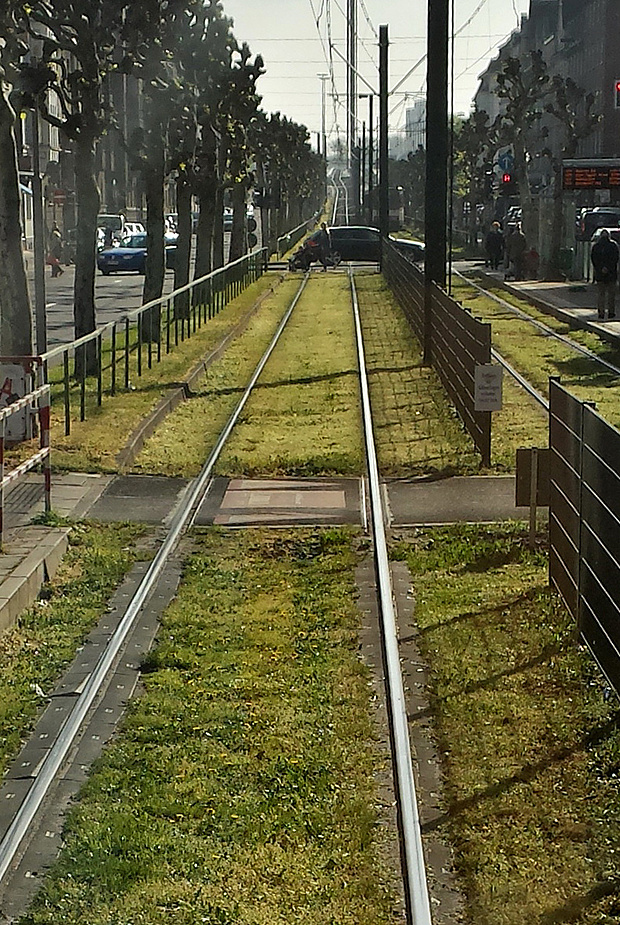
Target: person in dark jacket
604, 258
494, 245
325, 245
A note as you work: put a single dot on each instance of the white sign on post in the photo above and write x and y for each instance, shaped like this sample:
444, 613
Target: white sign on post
488, 388
14, 384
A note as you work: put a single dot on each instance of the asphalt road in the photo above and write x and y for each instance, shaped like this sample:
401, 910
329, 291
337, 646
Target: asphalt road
115, 295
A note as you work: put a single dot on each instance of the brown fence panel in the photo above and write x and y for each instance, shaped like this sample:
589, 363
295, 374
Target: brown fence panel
565, 429
407, 284
459, 342
584, 520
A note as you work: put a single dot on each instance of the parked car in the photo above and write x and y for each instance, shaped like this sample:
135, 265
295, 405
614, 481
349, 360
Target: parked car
591, 219
356, 242
228, 219
134, 228
413, 250
614, 234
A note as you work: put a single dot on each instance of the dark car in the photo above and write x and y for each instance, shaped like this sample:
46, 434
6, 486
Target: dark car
356, 242
591, 219
413, 250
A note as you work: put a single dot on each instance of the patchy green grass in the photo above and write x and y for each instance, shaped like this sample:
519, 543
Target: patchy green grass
303, 416
417, 430
44, 640
94, 443
242, 787
531, 749
538, 357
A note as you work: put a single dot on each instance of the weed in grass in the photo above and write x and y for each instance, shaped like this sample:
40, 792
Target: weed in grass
242, 787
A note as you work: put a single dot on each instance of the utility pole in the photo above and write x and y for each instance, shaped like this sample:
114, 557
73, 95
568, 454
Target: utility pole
351, 80
384, 183
323, 78
437, 156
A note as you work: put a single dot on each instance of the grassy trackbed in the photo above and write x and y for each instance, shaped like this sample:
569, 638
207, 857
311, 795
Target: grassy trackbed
531, 747
242, 788
33, 652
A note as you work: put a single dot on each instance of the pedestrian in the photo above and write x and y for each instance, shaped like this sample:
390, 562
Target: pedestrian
325, 245
55, 251
604, 257
494, 245
516, 246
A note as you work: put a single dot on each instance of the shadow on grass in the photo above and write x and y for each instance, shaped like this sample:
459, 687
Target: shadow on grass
574, 908
306, 380
529, 772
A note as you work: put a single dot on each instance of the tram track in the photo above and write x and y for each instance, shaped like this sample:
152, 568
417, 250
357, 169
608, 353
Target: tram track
27, 817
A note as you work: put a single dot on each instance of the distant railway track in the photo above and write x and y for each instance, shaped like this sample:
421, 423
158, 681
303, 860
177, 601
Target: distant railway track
544, 329
28, 815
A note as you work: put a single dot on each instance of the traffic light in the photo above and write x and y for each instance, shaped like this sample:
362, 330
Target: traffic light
509, 185
617, 94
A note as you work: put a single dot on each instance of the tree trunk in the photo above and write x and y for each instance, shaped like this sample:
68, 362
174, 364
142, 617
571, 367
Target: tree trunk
218, 228
204, 233
88, 201
554, 270
237, 237
184, 228
155, 259
15, 312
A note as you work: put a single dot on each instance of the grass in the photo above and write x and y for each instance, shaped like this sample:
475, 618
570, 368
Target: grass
94, 443
531, 749
417, 431
242, 787
33, 652
539, 357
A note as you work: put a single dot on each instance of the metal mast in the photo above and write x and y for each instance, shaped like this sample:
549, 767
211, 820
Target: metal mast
351, 79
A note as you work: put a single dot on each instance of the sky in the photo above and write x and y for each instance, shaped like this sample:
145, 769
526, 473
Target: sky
293, 38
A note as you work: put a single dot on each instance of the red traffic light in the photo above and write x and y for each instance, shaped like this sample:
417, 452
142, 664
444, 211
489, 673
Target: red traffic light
507, 178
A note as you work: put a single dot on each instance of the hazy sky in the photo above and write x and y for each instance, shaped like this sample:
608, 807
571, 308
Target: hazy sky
296, 50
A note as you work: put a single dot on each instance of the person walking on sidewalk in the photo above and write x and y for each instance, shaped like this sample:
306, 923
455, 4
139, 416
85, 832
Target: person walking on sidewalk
604, 257
55, 251
516, 246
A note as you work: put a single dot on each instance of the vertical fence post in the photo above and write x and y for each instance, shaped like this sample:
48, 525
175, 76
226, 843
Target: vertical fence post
113, 361
126, 353
67, 397
99, 348
44, 423
83, 384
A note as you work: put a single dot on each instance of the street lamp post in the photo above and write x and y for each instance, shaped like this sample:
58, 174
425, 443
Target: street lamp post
323, 78
371, 165
39, 239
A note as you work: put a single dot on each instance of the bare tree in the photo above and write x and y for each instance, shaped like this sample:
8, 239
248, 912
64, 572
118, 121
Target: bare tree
574, 109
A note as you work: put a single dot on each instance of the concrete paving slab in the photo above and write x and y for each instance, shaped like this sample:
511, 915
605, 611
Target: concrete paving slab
475, 499
281, 502
138, 498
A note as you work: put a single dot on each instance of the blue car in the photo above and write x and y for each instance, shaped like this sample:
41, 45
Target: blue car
128, 257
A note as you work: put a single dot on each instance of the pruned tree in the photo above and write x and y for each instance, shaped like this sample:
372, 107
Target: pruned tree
15, 310
575, 110
522, 84
475, 146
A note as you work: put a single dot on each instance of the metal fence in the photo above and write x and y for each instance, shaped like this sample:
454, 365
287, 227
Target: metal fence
115, 355
584, 523
457, 342
37, 401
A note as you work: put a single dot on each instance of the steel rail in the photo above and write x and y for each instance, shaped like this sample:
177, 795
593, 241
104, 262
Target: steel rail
529, 388
57, 755
418, 904
541, 325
